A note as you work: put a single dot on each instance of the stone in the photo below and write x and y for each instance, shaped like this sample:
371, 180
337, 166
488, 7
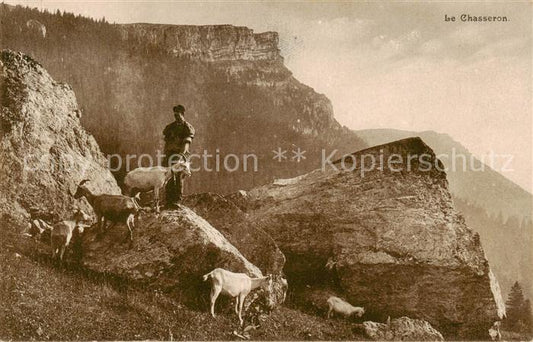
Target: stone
402, 329
44, 150
37, 27
253, 242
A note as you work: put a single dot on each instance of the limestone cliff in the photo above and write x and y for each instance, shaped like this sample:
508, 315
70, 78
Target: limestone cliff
388, 239
207, 43
44, 150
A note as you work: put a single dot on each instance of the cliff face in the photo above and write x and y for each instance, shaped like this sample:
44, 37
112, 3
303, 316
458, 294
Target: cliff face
238, 94
44, 151
389, 240
208, 43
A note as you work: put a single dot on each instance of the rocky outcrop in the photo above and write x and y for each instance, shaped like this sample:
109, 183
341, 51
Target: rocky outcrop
171, 252
36, 27
386, 238
254, 243
208, 43
402, 329
492, 205
44, 150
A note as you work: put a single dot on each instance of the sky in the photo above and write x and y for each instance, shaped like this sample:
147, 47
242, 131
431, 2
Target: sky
388, 64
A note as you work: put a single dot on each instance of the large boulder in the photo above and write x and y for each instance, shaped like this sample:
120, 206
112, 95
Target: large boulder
401, 329
170, 252
388, 239
44, 150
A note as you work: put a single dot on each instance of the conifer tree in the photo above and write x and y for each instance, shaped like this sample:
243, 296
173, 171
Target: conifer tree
518, 311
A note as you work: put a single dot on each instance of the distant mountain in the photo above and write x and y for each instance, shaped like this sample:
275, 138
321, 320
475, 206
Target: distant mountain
493, 205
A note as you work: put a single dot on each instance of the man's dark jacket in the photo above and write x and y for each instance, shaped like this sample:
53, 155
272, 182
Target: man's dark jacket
176, 135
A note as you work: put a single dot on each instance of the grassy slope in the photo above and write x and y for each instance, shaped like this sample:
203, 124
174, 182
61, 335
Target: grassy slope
41, 301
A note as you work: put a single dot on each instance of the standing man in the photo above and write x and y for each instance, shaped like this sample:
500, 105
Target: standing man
178, 137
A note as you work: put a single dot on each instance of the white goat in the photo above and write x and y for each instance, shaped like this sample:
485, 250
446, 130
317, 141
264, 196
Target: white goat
494, 331
237, 285
344, 308
154, 178
62, 233
115, 208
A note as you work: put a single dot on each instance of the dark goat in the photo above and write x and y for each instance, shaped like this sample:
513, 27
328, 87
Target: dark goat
114, 208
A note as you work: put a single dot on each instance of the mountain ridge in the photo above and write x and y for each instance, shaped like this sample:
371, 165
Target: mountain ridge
226, 42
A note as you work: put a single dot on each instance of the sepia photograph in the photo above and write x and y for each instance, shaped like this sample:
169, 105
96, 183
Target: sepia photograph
266, 170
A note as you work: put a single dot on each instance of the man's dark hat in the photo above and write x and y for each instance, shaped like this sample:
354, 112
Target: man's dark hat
179, 108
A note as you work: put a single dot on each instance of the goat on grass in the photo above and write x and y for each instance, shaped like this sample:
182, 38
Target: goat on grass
236, 285
343, 308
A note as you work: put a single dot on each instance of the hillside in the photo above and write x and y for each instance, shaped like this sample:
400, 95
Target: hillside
109, 288
239, 96
42, 302
492, 205
396, 235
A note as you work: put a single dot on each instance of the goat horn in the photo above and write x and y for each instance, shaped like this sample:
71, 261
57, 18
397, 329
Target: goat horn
83, 182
